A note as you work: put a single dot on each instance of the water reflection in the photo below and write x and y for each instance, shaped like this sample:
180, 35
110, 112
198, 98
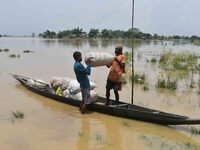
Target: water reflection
99, 131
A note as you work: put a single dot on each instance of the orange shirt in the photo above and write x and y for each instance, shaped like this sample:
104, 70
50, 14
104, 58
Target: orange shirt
116, 71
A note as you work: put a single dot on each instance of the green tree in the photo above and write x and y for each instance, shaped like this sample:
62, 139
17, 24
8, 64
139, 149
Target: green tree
77, 32
93, 33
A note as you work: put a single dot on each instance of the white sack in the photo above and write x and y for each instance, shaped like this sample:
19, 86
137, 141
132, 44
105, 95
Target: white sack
60, 81
35, 83
66, 93
74, 86
99, 58
78, 96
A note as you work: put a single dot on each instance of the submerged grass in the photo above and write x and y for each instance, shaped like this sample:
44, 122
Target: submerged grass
14, 55
195, 130
16, 115
125, 123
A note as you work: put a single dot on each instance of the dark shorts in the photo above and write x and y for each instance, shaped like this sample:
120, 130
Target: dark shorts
113, 85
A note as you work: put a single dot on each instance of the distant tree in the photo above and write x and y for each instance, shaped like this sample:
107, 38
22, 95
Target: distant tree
78, 32
0, 35
93, 33
104, 33
48, 34
33, 34
63, 34
176, 37
194, 37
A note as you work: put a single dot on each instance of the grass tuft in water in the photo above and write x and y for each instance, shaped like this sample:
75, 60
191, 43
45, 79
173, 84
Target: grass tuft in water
15, 115
195, 130
125, 123
80, 134
99, 137
6, 50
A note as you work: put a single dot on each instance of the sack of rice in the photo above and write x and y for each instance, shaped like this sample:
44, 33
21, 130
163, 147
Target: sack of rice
99, 58
74, 86
65, 83
60, 81
93, 96
66, 93
56, 82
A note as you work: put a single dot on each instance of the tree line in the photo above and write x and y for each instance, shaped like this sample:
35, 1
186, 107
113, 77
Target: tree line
111, 34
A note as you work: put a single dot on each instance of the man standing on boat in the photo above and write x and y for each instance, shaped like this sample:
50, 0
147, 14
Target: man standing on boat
82, 77
114, 77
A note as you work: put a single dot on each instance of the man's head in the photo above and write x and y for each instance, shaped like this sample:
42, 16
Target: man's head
77, 56
118, 50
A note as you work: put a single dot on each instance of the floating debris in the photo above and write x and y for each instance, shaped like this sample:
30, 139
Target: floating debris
6, 50
14, 56
28, 51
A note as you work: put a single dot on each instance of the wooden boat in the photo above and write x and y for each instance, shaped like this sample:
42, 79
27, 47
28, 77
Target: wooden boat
123, 109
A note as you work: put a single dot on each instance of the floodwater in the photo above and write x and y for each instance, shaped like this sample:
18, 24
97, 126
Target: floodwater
52, 125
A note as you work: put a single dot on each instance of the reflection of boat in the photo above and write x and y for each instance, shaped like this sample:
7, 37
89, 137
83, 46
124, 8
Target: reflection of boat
122, 109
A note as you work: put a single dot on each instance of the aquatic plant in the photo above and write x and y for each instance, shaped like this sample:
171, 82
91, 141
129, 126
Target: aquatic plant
27, 51
6, 50
128, 56
167, 84
0, 50
195, 130
145, 86
98, 137
124, 79
125, 123
80, 133
188, 145
14, 55
139, 78
153, 60
16, 115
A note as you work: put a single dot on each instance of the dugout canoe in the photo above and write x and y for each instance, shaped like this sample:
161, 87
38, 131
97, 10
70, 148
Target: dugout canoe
124, 110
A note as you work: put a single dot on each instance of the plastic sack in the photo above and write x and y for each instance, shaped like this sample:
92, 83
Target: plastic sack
78, 96
37, 82
74, 86
99, 58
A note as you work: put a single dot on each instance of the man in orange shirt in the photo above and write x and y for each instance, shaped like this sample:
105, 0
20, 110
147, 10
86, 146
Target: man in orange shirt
115, 74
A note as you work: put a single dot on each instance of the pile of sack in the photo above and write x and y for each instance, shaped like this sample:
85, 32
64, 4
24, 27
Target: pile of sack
38, 82
71, 88
99, 58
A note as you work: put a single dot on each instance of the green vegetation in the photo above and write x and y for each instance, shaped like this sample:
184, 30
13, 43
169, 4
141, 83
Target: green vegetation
169, 84
195, 130
145, 86
139, 78
16, 115
125, 123
27, 51
14, 55
0, 50
116, 34
6, 50
153, 60
80, 134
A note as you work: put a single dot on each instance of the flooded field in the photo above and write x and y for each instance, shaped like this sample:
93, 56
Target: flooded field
51, 125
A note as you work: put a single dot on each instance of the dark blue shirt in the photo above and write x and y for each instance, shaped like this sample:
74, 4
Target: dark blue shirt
82, 74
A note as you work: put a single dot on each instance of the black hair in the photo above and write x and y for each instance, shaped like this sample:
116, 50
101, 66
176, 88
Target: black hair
76, 54
118, 50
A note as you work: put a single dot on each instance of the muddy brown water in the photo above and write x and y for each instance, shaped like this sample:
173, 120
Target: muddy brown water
52, 125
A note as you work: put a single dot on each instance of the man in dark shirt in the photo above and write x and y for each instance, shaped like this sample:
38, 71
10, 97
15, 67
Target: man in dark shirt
82, 77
